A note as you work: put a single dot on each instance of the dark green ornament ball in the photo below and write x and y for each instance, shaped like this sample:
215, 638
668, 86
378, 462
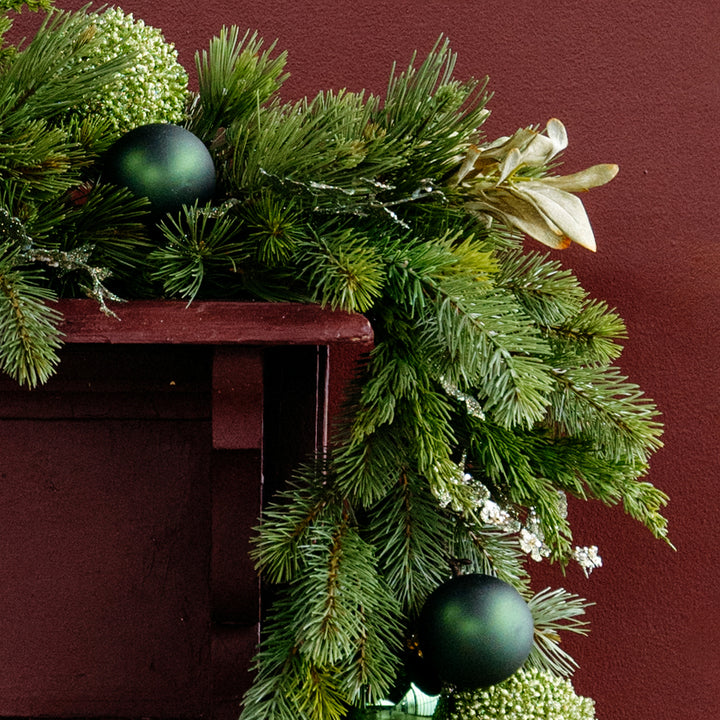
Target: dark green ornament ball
165, 163
475, 631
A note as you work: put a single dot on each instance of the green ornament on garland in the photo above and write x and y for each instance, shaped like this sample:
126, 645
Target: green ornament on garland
165, 163
475, 631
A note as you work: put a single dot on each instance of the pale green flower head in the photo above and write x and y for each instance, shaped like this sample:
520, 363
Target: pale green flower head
18, 5
154, 88
530, 694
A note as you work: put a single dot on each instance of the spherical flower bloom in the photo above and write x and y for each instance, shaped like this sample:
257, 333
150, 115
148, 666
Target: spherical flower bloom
154, 88
530, 694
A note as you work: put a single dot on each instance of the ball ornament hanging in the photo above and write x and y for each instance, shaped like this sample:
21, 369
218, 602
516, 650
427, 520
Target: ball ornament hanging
475, 631
165, 163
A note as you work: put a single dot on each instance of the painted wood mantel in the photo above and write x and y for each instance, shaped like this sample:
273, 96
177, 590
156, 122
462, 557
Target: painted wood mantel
129, 487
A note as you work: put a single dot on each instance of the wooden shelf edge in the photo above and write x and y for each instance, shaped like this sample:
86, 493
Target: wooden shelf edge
210, 323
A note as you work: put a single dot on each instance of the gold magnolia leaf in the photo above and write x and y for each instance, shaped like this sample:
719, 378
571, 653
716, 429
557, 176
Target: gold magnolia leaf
591, 177
541, 206
510, 163
543, 148
517, 212
561, 209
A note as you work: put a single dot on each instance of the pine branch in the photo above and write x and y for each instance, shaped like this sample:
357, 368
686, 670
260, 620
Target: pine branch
235, 77
275, 228
37, 158
417, 265
589, 338
18, 5
602, 404
6, 22
491, 551
340, 629
107, 218
489, 344
290, 521
554, 612
35, 85
201, 246
549, 293
482, 338
644, 502
331, 629
580, 331
280, 671
366, 470
29, 336
373, 454
341, 270
342, 153
414, 540
321, 151
431, 118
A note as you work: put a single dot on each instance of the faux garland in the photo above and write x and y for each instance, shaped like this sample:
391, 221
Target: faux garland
491, 394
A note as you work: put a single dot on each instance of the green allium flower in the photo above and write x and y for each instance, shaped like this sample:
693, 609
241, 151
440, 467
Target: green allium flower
528, 695
153, 89
18, 5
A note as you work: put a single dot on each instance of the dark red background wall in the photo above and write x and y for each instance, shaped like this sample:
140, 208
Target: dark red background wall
636, 83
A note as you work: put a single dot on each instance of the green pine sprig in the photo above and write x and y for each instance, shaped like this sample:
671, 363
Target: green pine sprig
235, 76
29, 334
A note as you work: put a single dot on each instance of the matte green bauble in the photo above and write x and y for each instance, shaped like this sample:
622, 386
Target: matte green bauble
164, 163
475, 631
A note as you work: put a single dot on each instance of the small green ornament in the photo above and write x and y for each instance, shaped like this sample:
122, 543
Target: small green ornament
475, 630
165, 163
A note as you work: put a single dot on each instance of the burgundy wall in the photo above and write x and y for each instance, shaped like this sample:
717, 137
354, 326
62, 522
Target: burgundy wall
635, 83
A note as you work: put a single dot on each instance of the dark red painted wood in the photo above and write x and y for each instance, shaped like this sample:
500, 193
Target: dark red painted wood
237, 392
103, 568
210, 323
236, 501
130, 485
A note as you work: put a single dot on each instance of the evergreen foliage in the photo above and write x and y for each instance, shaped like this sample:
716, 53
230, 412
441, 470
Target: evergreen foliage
492, 391
28, 334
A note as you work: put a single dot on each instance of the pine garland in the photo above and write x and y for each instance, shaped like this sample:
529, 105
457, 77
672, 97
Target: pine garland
491, 394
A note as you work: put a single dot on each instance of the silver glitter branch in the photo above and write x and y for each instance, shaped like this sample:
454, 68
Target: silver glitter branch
79, 259
363, 197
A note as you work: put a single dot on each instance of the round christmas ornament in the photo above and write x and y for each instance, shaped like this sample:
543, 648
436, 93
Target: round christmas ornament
475, 630
165, 163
